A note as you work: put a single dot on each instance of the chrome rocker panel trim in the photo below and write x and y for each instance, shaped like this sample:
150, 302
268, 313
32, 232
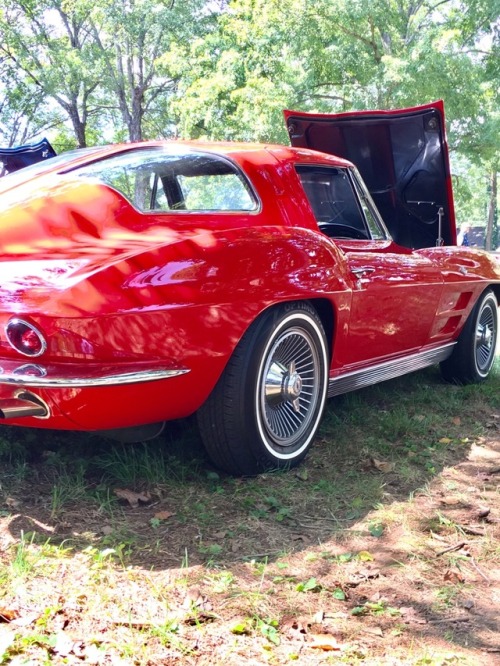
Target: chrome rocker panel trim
44, 380
388, 370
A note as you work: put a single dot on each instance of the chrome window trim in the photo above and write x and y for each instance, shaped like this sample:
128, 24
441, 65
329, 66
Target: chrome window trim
364, 194
256, 210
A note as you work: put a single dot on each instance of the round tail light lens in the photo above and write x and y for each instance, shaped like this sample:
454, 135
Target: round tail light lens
25, 338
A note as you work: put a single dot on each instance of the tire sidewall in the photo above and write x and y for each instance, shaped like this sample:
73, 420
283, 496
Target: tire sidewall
489, 301
298, 316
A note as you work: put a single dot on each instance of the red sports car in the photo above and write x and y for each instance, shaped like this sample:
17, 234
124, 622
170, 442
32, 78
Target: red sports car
247, 283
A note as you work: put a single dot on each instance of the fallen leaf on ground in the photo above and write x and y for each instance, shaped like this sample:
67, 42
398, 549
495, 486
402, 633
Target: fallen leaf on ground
365, 556
132, 497
409, 614
382, 466
450, 501
324, 642
373, 631
457, 420
12, 503
163, 515
445, 440
454, 577
8, 614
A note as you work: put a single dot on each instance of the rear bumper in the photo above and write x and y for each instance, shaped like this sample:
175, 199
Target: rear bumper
95, 397
78, 376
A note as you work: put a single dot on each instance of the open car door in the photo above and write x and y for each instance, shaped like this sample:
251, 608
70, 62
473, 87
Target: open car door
397, 286
402, 156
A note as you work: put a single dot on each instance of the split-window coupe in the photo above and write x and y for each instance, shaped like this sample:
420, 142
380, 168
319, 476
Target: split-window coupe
245, 283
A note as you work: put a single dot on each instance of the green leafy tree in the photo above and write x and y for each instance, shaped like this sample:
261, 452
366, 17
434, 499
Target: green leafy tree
48, 42
23, 111
339, 55
132, 38
235, 81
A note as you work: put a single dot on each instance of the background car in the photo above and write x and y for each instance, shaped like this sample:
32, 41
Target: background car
245, 283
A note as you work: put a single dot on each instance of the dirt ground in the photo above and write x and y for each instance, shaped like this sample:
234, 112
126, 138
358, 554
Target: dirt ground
226, 572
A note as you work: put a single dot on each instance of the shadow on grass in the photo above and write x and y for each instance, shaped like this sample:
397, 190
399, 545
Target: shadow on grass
376, 449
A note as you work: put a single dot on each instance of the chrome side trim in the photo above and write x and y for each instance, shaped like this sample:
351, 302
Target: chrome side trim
388, 370
82, 382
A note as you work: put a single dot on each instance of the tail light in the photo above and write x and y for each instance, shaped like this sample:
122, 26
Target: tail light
25, 338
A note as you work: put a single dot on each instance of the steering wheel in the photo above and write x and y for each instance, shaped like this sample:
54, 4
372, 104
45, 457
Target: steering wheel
339, 230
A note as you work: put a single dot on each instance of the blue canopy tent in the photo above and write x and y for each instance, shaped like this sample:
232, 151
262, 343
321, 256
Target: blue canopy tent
22, 156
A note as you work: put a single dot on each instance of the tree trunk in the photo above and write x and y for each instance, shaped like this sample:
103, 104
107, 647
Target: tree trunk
492, 204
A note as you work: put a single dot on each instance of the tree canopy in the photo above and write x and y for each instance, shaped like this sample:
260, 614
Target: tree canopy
95, 71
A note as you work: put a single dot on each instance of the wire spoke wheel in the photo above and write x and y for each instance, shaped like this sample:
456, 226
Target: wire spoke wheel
266, 407
289, 386
474, 353
486, 337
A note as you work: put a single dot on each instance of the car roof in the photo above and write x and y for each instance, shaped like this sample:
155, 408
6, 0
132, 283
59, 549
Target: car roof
242, 153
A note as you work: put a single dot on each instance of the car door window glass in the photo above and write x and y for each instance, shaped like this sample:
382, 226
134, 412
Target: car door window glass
334, 201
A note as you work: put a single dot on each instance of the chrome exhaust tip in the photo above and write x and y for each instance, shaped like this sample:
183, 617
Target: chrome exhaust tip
24, 404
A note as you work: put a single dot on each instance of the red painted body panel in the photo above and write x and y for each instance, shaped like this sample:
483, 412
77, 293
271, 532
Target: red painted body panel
115, 289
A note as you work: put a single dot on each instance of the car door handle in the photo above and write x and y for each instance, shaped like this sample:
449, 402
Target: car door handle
363, 271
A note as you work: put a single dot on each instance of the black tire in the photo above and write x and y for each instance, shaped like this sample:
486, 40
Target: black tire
474, 353
265, 410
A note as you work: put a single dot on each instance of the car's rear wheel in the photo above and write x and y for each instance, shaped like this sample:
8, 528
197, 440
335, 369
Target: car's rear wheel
265, 409
474, 353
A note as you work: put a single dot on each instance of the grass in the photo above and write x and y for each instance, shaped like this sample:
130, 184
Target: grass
342, 560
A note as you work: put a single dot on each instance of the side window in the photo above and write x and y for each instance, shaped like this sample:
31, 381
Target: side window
334, 201
214, 192
175, 179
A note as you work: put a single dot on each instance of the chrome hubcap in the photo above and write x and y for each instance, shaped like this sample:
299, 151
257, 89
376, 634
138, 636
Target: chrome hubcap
290, 386
283, 384
485, 338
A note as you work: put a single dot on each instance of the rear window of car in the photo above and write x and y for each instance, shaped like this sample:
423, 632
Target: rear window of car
168, 180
